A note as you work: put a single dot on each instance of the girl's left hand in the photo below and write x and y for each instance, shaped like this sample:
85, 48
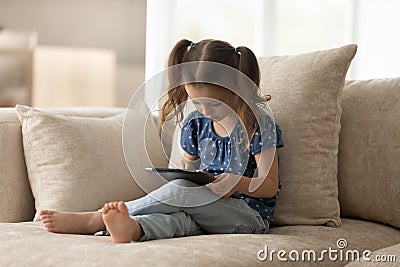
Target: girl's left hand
225, 184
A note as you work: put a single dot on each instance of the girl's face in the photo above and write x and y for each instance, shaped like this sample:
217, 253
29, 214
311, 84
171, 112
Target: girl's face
213, 101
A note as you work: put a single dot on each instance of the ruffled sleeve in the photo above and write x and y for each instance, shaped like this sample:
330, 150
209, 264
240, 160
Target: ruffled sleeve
266, 137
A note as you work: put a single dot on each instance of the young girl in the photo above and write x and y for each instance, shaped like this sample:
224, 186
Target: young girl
226, 137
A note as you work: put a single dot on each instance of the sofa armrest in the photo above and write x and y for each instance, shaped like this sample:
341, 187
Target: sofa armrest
16, 200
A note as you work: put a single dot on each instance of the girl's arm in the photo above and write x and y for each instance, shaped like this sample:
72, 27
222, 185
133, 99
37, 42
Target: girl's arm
266, 184
263, 186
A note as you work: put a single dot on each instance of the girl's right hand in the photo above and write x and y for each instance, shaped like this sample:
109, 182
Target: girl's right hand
189, 162
225, 184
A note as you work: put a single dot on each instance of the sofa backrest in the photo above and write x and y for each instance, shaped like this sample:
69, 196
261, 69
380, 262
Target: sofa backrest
368, 169
369, 151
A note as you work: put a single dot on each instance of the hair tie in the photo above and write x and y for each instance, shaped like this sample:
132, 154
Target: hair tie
236, 51
191, 44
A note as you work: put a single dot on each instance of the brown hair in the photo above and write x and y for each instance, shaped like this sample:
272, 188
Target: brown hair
240, 58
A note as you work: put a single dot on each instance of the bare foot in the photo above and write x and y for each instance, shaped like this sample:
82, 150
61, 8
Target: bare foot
123, 229
71, 222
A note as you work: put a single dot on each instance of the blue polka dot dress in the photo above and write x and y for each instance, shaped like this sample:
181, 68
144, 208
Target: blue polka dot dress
230, 153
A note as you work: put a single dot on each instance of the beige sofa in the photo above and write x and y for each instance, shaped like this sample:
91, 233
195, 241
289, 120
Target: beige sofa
355, 209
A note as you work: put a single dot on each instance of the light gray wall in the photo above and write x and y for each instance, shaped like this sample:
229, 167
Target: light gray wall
119, 25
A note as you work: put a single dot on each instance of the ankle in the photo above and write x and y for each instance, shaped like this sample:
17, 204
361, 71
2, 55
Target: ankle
139, 231
96, 223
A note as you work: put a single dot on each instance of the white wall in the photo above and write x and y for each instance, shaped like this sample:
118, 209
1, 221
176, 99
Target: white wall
376, 31
283, 27
118, 25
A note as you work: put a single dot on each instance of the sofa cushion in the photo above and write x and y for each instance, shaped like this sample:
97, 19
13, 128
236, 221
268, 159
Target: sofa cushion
306, 95
389, 256
75, 163
359, 234
37, 247
16, 200
369, 184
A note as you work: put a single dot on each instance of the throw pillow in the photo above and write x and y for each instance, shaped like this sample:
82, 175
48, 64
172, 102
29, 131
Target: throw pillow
306, 95
75, 163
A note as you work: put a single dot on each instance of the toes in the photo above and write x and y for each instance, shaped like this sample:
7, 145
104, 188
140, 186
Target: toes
105, 208
43, 212
122, 207
47, 220
108, 206
43, 217
50, 229
49, 225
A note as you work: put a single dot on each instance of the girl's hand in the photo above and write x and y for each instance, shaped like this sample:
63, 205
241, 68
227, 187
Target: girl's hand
188, 162
225, 184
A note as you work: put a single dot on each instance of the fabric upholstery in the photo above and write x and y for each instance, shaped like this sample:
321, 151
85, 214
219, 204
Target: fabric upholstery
369, 151
306, 94
75, 163
389, 256
37, 247
359, 234
16, 200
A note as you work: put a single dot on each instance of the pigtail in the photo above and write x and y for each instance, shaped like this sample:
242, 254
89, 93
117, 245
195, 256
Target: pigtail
176, 96
248, 64
178, 52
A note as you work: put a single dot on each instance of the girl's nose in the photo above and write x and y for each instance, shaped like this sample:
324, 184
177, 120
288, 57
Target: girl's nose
206, 111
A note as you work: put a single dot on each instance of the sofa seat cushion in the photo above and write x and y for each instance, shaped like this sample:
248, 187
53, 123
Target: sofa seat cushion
389, 256
29, 244
359, 234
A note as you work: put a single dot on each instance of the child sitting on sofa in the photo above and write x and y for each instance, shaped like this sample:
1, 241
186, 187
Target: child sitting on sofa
229, 135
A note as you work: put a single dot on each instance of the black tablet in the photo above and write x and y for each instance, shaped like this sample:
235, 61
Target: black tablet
197, 176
